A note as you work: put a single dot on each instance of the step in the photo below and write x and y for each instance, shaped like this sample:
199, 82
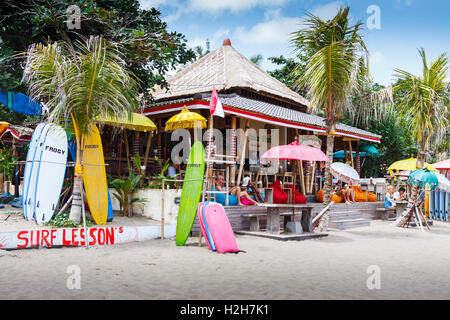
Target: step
349, 224
344, 216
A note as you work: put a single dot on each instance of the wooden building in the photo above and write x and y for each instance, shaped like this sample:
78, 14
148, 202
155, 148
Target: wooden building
250, 97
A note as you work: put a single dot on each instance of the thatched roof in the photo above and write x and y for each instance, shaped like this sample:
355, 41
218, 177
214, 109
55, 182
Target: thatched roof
225, 68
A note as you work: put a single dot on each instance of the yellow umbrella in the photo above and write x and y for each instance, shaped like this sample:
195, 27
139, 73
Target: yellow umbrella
407, 165
3, 126
186, 120
137, 122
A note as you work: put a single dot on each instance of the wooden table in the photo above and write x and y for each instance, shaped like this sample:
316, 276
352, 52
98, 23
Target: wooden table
273, 216
401, 206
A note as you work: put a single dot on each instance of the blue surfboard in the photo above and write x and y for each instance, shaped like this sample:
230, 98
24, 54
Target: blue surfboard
21, 103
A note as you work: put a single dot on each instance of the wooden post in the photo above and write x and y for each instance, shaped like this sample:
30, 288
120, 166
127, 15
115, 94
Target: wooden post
147, 151
345, 151
162, 210
312, 177
351, 153
120, 152
244, 147
233, 149
302, 178
127, 149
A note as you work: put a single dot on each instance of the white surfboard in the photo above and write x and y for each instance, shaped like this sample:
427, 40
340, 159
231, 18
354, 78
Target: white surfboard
51, 173
31, 189
29, 165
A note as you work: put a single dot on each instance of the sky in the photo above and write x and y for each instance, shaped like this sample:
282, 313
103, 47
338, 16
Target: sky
393, 29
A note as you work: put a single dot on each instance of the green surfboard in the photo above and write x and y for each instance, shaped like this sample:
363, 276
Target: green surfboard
191, 193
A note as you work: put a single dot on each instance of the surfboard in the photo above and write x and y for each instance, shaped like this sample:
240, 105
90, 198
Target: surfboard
438, 205
110, 210
94, 176
29, 165
442, 206
219, 227
31, 189
191, 192
202, 224
207, 233
51, 173
73, 154
446, 204
431, 204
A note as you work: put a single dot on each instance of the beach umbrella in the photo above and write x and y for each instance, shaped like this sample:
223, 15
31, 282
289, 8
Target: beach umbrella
186, 120
3, 126
344, 173
443, 182
442, 165
423, 178
295, 151
369, 149
136, 121
341, 154
407, 165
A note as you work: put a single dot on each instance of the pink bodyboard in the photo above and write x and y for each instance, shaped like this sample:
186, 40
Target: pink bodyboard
202, 224
220, 228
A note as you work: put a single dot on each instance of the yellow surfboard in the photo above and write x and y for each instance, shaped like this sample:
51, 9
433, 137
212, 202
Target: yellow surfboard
94, 176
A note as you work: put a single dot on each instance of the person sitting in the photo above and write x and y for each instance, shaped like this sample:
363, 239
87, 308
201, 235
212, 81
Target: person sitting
389, 198
347, 194
235, 191
400, 195
252, 189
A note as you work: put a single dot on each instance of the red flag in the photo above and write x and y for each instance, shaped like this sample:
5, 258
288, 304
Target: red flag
215, 106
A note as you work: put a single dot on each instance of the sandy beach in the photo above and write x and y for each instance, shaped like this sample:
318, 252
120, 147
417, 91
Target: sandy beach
412, 265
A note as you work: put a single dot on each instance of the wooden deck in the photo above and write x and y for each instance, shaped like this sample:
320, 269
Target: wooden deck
366, 210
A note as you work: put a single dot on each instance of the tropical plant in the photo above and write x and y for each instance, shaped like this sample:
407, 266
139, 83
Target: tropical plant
336, 68
80, 83
124, 190
257, 59
156, 182
425, 100
126, 187
148, 47
7, 160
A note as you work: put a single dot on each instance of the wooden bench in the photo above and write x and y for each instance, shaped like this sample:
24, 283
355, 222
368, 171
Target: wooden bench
254, 219
385, 213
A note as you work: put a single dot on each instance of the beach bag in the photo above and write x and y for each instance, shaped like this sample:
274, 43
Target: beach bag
335, 197
221, 198
279, 195
298, 197
360, 196
371, 197
246, 202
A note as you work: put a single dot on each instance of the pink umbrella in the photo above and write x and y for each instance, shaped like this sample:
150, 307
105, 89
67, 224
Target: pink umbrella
442, 165
295, 151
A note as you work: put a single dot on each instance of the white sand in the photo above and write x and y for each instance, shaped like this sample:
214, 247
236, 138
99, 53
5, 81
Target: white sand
413, 265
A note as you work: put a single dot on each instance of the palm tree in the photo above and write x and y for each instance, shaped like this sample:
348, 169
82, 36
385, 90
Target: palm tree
336, 68
257, 59
425, 101
80, 82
